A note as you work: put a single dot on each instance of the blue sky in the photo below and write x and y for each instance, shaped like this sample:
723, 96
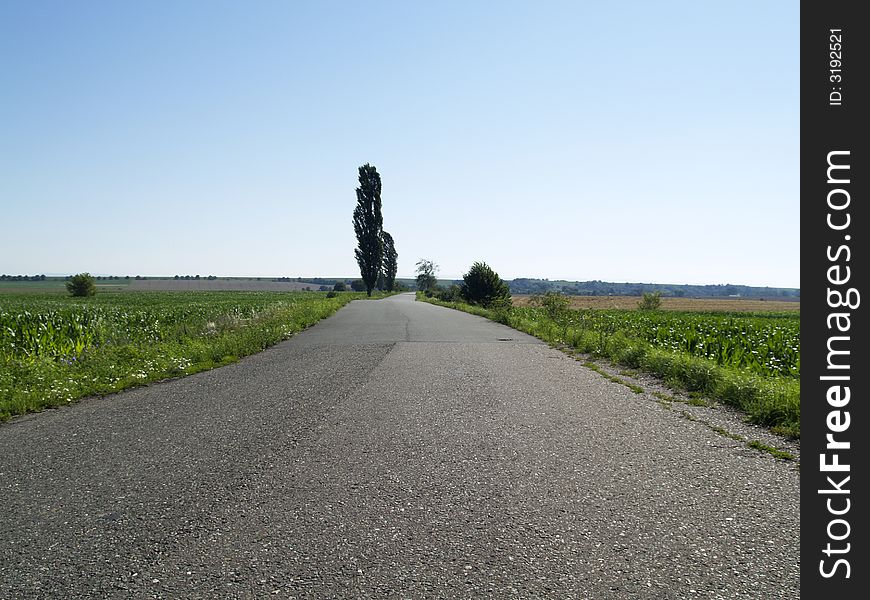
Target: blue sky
621, 141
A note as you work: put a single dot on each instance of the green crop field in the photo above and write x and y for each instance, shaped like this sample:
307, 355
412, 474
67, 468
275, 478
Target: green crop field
766, 344
55, 349
748, 360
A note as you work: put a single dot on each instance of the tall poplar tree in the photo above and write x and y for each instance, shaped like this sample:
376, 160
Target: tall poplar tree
391, 262
368, 225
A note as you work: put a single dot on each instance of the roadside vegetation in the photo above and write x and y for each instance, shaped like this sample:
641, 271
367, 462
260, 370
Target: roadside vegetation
748, 360
481, 286
55, 349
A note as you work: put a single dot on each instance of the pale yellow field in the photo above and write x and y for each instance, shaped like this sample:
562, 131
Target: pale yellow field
688, 304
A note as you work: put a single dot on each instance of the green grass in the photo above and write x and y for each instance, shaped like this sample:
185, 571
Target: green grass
56, 349
747, 360
633, 387
776, 453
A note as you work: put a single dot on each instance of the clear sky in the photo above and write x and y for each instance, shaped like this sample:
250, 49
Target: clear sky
622, 141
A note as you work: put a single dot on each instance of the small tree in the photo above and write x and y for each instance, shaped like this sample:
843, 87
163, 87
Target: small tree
339, 287
391, 262
553, 302
427, 279
483, 286
358, 285
81, 285
650, 301
368, 226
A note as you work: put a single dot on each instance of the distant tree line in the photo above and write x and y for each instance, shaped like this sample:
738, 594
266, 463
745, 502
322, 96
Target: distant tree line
22, 277
311, 280
44, 278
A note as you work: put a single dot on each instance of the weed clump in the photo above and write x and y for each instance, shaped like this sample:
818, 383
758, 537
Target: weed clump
650, 301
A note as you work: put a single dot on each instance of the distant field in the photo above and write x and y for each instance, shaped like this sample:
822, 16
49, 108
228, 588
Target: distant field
32, 287
218, 285
56, 286
678, 304
160, 285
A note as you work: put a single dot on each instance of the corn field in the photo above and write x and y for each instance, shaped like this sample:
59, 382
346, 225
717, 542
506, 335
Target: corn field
63, 329
55, 349
766, 344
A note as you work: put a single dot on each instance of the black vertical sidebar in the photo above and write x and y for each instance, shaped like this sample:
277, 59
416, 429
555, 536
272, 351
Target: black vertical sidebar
835, 372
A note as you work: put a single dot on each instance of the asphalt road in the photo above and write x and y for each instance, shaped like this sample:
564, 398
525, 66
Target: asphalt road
394, 450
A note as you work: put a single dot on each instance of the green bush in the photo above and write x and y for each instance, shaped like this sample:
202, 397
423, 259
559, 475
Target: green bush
482, 286
81, 285
450, 294
650, 301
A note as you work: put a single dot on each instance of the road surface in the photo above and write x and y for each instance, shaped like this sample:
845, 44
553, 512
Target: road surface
394, 450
